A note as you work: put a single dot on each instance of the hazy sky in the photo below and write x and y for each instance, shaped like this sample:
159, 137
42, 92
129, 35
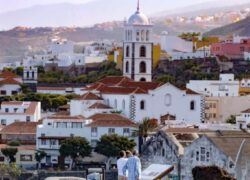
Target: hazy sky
9, 5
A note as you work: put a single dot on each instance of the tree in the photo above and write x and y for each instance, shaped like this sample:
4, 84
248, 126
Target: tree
10, 169
231, 119
111, 145
75, 147
10, 153
39, 155
145, 126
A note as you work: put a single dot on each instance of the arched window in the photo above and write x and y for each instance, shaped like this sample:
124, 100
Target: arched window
143, 67
143, 80
168, 99
127, 51
137, 35
123, 104
147, 35
192, 105
142, 51
115, 104
142, 105
127, 67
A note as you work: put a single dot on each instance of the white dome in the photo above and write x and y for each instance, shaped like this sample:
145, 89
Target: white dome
138, 18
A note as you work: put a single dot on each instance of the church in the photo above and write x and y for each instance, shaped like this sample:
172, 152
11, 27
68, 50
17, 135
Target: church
134, 95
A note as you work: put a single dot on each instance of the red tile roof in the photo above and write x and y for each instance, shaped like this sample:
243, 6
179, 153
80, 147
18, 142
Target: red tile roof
143, 85
246, 111
111, 120
20, 128
8, 74
99, 106
113, 80
22, 147
121, 90
51, 88
9, 81
189, 91
67, 118
89, 96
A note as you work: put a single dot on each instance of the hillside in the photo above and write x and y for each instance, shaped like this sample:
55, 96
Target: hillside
241, 28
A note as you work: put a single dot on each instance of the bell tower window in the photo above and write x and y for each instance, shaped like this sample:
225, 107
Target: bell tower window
127, 67
142, 67
142, 51
127, 51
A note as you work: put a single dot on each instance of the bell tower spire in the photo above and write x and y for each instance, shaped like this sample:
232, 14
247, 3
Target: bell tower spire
138, 5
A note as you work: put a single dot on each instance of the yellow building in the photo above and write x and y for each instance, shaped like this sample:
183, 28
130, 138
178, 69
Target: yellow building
116, 55
207, 41
244, 88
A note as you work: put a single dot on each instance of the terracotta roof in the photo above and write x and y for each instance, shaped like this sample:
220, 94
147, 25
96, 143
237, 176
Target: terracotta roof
67, 118
8, 74
113, 80
99, 106
14, 103
121, 90
32, 107
246, 111
20, 128
182, 130
143, 85
189, 91
22, 147
89, 96
94, 86
9, 81
111, 120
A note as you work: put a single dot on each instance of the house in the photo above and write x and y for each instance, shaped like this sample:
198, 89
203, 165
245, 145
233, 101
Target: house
243, 119
225, 86
23, 132
138, 100
219, 109
244, 89
24, 158
56, 128
231, 50
186, 148
10, 83
19, 111
61, 89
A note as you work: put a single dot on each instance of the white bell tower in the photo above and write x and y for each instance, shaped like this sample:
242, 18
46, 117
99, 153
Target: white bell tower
138, 47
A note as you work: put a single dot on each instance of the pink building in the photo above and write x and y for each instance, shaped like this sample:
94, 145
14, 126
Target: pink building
231, 50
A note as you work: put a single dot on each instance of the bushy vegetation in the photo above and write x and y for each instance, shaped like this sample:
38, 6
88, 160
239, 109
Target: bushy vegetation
106, 68
48, 101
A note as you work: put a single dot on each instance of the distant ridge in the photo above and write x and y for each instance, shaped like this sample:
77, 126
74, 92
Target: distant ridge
241, 28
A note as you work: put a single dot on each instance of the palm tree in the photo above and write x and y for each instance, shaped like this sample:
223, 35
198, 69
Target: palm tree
145, 126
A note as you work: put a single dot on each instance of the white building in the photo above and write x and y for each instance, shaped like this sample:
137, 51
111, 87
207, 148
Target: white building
225, 86
19, 111
10, 84
187, 148
61, 46
138, 100
243, 119
60, 90
138, 47
247, 56
56, 128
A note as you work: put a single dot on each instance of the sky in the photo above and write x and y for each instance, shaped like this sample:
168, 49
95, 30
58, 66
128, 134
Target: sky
10, 5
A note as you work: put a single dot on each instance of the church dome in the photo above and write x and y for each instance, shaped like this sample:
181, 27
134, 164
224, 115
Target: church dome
138, 18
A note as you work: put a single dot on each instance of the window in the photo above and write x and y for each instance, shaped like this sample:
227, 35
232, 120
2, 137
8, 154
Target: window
43, 142
208, 156
1, 158
192, 105
197, 155
168, 99
115, 103
137, 35
142, 35
111, 130
127, 51
3, 122
126, 131
203, 154
93, 143
147, 36
127, 67
15, 109
142, 105
3, 92
25, 157
13, 92
143, 80
143, 67
76, 125
61, 125
142, 51
94, 131
163, 152
52, 142
6, 110
27, 118
123, 104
